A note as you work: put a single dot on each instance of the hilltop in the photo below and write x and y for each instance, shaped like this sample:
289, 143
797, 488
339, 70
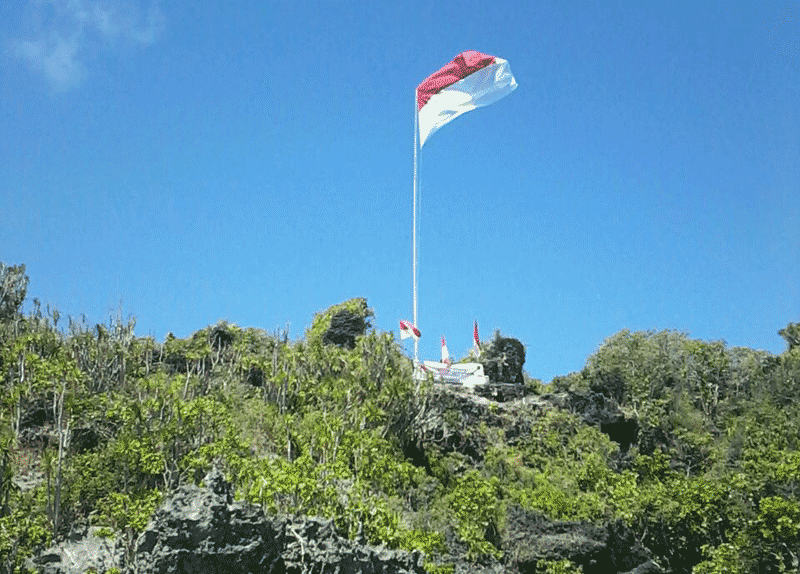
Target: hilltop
257, 453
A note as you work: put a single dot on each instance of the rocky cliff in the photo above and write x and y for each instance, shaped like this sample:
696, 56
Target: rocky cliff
202, 529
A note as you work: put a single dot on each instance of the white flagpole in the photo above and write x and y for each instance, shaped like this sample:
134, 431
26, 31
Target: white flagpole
414, 230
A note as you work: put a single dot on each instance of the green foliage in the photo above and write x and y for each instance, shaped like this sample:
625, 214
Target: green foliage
723, 559
681, 391
301, 427
37, 367
653, 468
23, 531
563, 470
557, 567
433, 568
779, 520
787, 471
190, 356
784, 385
7, 486
303, 487
161, 440
556, 495
637, 370
124, 511
693, 442
777, 532
572, 382
476, 504
109, 356
430, 543
533, 386
767, 439
503, 360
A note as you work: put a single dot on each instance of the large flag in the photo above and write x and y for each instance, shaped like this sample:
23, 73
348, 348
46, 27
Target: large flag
472, 80
408, 330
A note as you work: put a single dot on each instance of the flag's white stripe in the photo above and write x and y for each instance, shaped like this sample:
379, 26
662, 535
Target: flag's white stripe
479, 89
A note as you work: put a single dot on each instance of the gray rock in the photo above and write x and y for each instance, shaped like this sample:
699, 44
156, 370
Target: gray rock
86, 553
314, 546
345, 328
649, 567
449, 419
503, 361
464, 567
529, 538
201, 530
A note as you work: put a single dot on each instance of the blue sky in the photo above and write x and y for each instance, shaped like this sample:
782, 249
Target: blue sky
189, 162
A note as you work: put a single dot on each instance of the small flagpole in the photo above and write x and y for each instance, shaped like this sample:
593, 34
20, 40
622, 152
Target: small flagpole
414, 229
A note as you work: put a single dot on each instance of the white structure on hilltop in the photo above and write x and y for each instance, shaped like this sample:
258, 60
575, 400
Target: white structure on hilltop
468, 375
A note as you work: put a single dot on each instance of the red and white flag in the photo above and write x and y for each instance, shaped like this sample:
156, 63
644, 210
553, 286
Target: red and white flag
476, 342
445, 353
408, 330
472, 80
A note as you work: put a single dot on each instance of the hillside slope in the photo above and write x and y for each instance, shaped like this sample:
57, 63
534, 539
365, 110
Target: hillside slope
664, 454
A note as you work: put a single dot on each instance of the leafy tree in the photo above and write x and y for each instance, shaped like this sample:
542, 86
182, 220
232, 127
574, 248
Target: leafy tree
637, 370
791, 333
109, 355
784, 385
13, 288
778, 526
22, 532
475, 502
723, 559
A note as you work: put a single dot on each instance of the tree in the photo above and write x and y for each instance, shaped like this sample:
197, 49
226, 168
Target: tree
791, 334
13, 288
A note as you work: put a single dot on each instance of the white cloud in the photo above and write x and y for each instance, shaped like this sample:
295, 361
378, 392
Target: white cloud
55, 57
65, 38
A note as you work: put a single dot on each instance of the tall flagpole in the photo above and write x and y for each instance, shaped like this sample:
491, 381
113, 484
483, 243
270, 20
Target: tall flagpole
414, 230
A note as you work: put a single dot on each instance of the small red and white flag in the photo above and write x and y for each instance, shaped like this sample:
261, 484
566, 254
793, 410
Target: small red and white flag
476, 342
408, 330
472, 80
445, 353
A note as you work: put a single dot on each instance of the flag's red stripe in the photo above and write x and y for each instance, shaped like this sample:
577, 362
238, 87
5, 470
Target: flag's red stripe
463, 65
407, 326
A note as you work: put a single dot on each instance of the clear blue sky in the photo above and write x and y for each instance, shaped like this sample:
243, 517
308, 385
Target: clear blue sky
252, 161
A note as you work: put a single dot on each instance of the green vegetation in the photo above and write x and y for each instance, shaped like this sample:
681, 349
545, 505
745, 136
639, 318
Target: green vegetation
113, 422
